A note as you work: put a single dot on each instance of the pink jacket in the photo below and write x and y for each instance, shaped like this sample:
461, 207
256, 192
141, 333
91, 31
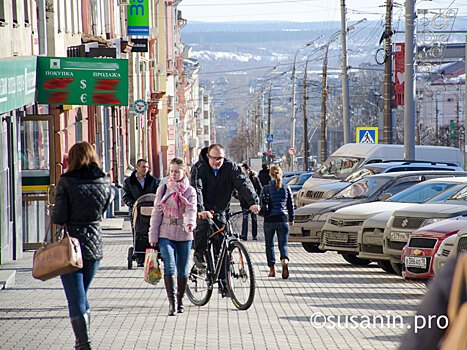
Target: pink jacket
173, 229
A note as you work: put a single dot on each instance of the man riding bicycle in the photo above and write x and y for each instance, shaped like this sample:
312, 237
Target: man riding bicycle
214, 177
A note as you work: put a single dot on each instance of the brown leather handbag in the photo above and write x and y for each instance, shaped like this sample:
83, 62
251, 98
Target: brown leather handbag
59, 258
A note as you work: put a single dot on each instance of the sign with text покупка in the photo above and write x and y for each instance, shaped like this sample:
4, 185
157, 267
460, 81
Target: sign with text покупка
82, 81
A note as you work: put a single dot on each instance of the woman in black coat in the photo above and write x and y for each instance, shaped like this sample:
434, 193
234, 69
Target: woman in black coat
83, 194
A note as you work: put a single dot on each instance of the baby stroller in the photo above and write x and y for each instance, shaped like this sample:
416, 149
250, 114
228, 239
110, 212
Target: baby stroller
141, 221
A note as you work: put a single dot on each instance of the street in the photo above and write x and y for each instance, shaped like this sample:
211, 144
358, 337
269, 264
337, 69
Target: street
325, 304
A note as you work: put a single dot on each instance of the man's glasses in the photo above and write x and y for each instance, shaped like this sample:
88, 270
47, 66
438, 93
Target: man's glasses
217, 159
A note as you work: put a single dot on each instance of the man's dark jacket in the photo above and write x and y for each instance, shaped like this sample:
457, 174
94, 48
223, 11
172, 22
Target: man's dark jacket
264, 177
215, 192
132, 188
81, 197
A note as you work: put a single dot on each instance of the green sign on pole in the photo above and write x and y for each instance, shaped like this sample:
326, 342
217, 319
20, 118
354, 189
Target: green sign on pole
138, 17
82, 81
17, 82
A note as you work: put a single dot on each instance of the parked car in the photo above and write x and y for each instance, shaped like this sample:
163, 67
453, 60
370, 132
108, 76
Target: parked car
370, 237
297, 183
403, 222
319, 192
342, 228
310, 219
418, 255
353, 156
450, 248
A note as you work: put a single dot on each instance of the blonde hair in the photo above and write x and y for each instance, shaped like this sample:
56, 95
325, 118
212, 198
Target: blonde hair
276, 175
82, 154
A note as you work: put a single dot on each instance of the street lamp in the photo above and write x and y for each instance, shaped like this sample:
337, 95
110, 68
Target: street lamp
294, 102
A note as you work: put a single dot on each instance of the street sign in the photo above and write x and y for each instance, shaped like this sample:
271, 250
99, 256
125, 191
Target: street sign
269, 138
138, 18
367, 135
292, 151
140, 106
82, 81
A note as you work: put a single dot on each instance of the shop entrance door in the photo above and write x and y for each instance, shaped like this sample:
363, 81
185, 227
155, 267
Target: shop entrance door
38, 177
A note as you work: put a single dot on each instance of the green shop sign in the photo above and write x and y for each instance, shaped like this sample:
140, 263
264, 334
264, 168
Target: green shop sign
138, 17
82, 81
17, 82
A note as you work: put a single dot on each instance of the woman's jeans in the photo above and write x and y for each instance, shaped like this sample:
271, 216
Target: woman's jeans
175, 253
76, 285
282, 230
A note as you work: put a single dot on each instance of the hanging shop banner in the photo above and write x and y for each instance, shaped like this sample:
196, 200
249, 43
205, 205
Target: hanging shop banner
82, 81
399, 73
17, 82
139, 45
138, 17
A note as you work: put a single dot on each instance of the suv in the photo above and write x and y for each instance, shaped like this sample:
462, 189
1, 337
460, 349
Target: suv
327, 190
310, 219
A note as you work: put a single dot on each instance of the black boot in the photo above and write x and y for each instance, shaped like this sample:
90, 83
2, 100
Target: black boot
81, 330
181, 287
170, 288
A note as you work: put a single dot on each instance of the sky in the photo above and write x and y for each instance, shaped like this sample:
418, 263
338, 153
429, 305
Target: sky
300, 10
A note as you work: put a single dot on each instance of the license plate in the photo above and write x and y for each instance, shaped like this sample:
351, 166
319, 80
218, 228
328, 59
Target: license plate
415, 261
372, 240
400, 236
338, 236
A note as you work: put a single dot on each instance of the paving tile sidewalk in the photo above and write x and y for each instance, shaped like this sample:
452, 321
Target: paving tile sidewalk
127, 313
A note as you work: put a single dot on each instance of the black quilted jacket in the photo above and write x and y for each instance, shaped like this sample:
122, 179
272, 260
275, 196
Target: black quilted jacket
81, 197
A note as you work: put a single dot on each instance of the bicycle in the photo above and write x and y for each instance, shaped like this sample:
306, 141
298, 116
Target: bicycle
234, 258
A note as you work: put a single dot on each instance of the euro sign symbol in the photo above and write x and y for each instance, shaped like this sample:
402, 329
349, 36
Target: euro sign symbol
83, 84
84, 98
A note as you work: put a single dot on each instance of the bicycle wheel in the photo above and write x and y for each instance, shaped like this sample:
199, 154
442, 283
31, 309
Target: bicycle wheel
240, 276
199, 286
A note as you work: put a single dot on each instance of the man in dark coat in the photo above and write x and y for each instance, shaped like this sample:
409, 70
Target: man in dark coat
264, 176
215, 177
254, 217
140, 182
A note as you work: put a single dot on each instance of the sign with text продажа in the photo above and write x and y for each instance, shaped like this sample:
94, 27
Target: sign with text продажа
82, 81
367, 135
138, 17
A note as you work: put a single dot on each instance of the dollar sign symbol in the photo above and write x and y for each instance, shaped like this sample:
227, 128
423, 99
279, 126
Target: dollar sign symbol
83, 84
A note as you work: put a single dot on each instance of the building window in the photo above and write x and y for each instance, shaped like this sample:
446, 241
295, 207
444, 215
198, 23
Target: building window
3, 21
27, 22
15, 14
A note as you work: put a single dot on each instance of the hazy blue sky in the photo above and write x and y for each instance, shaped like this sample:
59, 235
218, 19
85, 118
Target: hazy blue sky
299, 10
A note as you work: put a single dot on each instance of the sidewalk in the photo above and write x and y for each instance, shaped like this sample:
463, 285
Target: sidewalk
128, 313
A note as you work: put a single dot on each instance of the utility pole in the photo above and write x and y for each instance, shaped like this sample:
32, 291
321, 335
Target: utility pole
409, 92
345, 79
324, 94
269, 117
388, 91
305, 123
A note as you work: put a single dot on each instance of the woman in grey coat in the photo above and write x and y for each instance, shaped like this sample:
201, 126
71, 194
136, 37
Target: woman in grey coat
173, 221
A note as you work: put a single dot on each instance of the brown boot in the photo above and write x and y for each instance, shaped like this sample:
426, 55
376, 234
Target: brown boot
272, 272
285, 269
170, 289
181, 287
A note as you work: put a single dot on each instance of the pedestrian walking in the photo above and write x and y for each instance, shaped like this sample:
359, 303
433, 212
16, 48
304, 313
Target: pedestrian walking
140, 182
278, 220
244, 205
173, 221
263, 175
82, 195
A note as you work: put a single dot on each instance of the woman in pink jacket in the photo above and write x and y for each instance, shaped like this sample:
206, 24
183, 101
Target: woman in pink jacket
173, 220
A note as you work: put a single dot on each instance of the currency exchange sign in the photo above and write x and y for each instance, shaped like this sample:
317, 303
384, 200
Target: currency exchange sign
82, 81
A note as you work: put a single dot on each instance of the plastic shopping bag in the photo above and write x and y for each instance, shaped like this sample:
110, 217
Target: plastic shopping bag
152, 269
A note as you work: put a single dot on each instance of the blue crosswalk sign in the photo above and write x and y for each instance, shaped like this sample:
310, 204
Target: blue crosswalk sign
367, 135
270, 138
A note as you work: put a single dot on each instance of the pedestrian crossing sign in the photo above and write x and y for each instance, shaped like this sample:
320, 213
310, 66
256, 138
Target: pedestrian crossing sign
269, 138
367, 135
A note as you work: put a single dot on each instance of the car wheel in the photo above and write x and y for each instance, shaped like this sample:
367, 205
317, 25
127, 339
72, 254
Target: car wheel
397, 267
352, 258
312, 248
386, 266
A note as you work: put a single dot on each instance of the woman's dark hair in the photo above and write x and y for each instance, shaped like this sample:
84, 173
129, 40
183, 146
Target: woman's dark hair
246, 166
82, 154
276, 175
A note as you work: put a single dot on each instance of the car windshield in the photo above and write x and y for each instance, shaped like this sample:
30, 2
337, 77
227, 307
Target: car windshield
337, 167
361, 173
460, 195
420, 192
303, 179
362, 188
290, 180
446, 194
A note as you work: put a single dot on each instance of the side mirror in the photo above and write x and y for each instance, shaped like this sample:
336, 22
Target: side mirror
385, 196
